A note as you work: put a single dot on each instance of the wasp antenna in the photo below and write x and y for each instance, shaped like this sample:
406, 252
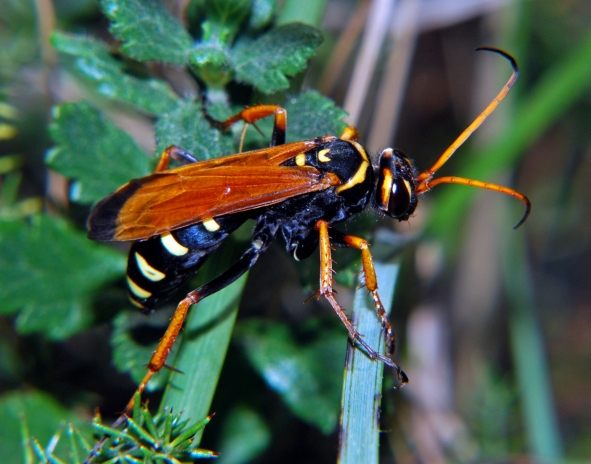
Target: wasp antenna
428, 185
502, 53
425, 176
526, 214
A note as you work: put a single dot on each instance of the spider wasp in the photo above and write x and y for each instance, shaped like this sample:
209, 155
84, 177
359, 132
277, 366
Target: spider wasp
176, 218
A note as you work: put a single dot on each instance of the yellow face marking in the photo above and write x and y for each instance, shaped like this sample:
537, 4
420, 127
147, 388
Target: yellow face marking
148, 271
386, 187
137, 290
322, 155
210, 225
357, 178
173, 247
300, 159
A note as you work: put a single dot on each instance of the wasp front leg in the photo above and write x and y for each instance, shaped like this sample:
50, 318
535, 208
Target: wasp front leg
175, 153
326, 290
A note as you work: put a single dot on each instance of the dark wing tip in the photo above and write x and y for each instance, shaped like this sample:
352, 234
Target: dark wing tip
102, 222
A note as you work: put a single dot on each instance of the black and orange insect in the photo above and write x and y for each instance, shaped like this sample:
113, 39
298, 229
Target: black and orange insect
178, 217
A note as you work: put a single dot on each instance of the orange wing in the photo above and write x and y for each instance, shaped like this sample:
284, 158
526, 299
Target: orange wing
189, 194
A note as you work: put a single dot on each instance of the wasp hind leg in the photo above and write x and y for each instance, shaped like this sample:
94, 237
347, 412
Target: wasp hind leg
326, 290
264, 233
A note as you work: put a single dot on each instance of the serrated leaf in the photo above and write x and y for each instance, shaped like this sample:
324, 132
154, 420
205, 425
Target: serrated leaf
267, 61
224, 18
187, 128
149, 31
311, 115
129, 355
308, 379
93, 152
93, 64
50, 272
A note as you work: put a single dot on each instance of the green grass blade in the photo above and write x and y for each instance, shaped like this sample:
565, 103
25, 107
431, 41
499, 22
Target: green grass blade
206, 337
528, 352
362, 386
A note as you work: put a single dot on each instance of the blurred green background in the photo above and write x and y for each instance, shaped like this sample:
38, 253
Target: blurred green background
492, 324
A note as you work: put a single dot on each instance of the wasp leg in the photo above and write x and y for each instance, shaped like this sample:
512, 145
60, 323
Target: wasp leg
255, 113
326, 281
349, 133
176, 153
264, 232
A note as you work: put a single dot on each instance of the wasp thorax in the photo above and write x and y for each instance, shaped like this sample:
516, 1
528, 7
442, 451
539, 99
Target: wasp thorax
395, 191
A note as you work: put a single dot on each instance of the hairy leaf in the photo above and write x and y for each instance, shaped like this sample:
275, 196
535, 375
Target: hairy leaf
50, 272
94, 65
267, 61
187, 128
149, 31
89, 149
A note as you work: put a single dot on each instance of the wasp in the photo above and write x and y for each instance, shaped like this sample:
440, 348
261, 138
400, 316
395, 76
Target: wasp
177, 217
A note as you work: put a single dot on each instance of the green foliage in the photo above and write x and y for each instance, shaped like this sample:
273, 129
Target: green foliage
33, 417
163, 437
267, 61
148, 31
186, 127
308, 378
89, 149
50, 273
92, 63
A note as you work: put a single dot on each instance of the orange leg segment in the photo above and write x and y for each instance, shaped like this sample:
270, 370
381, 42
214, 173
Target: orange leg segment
326, 290
158, 359
255, 113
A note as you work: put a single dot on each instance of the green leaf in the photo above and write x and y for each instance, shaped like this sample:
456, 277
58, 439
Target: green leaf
50, 272
244, 437
224, 18
208, 329
94, 65
267, 61
42, 417
131, 356
187, 128
149, 31
311, 114
212, 64
308, 379
91, 150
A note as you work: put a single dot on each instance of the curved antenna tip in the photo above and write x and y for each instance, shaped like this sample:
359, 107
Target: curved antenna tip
503, 53
525, 215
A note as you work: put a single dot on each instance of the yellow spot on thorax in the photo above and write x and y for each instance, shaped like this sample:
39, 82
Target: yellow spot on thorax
322, 155
300, 159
